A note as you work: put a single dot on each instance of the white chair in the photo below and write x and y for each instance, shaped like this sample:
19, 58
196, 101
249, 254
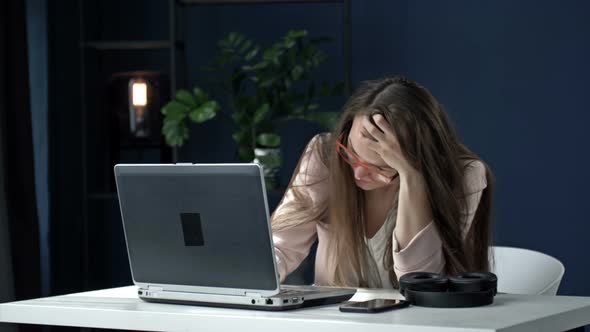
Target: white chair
523, 271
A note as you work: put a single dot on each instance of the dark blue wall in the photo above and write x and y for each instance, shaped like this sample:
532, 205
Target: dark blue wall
511, 74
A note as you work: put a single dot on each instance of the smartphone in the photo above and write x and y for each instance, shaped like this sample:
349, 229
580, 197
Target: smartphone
373, 306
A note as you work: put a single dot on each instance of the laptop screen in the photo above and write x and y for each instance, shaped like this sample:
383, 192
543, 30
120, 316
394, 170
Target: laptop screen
197, 225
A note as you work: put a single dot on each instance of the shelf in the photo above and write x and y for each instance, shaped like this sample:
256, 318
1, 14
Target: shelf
123, 45
246, 2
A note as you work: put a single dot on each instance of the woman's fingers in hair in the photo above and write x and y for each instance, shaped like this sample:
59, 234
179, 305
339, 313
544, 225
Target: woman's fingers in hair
387, 145
378, 127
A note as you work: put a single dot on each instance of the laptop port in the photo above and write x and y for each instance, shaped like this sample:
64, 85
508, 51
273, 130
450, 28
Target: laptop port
253, 301
268, 301
285, 301
295, 300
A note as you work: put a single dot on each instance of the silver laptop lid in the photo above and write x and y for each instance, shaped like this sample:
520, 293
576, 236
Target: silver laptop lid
202, 228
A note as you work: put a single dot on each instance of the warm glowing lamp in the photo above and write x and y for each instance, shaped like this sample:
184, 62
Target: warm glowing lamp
138, 105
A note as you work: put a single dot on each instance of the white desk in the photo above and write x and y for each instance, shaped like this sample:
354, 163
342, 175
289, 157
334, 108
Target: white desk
119, 308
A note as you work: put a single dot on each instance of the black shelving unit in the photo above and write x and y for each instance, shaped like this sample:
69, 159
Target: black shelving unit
174, 46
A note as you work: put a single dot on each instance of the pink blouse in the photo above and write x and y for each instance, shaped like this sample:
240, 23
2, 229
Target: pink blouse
292, 245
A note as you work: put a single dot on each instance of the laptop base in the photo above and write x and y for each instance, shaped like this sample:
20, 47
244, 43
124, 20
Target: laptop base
281, 307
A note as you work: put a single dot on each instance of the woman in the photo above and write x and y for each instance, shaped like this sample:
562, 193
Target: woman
391, 191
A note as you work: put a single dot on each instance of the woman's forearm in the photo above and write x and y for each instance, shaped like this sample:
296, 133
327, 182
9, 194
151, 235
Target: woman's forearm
414, 212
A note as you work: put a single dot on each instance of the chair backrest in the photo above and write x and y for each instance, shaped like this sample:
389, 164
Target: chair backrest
523, 271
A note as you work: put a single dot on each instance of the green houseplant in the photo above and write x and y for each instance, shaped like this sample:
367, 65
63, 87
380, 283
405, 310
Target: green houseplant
195, 106
266, 88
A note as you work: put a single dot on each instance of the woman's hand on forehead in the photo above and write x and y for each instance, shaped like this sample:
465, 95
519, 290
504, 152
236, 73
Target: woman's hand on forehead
383, 141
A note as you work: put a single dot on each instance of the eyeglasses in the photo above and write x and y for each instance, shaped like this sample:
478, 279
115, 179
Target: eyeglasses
354, 160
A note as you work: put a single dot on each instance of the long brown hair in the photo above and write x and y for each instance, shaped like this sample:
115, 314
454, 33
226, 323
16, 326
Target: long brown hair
432, 147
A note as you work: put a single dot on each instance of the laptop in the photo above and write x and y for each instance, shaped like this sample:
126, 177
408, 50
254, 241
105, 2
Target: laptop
200, 234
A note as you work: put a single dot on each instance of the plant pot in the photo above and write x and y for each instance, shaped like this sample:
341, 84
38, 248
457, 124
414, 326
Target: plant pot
271, 160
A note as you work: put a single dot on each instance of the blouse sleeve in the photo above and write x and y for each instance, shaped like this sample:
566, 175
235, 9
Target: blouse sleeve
424, 251
292, 243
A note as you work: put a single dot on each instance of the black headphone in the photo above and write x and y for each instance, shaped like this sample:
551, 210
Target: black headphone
471, 289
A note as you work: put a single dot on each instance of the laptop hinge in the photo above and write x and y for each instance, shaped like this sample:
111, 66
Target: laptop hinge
155, 288
257, 295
